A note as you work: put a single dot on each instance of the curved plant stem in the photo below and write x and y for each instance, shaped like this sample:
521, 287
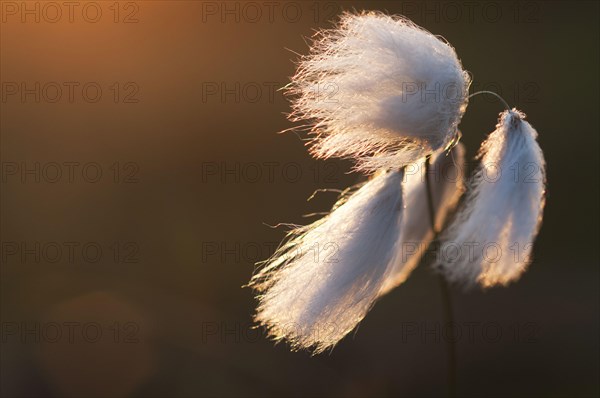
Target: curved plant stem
494, 94
446, 296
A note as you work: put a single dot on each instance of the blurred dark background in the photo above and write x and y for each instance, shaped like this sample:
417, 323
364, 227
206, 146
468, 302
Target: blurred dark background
141, 164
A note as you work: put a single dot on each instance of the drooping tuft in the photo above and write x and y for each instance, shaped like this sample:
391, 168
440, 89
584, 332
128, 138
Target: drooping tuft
324, 280
490, 240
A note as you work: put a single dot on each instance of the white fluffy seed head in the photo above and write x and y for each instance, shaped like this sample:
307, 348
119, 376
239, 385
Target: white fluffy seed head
324, 280
379, 89
490, 241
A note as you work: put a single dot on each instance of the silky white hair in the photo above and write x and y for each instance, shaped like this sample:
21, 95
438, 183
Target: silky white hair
380, 90
324, 280
490, 240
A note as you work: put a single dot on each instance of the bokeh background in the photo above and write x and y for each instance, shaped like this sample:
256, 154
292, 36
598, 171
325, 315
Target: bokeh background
129, 282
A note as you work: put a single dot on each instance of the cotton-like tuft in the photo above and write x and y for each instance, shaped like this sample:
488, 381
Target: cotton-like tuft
380, 90
490, 240
324, 280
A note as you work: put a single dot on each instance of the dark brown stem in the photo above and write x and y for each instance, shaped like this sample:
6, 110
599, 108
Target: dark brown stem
448, 313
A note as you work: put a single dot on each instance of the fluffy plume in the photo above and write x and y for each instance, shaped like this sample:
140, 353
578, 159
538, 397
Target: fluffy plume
491, 238
323, 281
380, 90
446, 176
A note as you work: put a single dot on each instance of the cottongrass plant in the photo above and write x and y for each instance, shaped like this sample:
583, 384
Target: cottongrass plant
360, 92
